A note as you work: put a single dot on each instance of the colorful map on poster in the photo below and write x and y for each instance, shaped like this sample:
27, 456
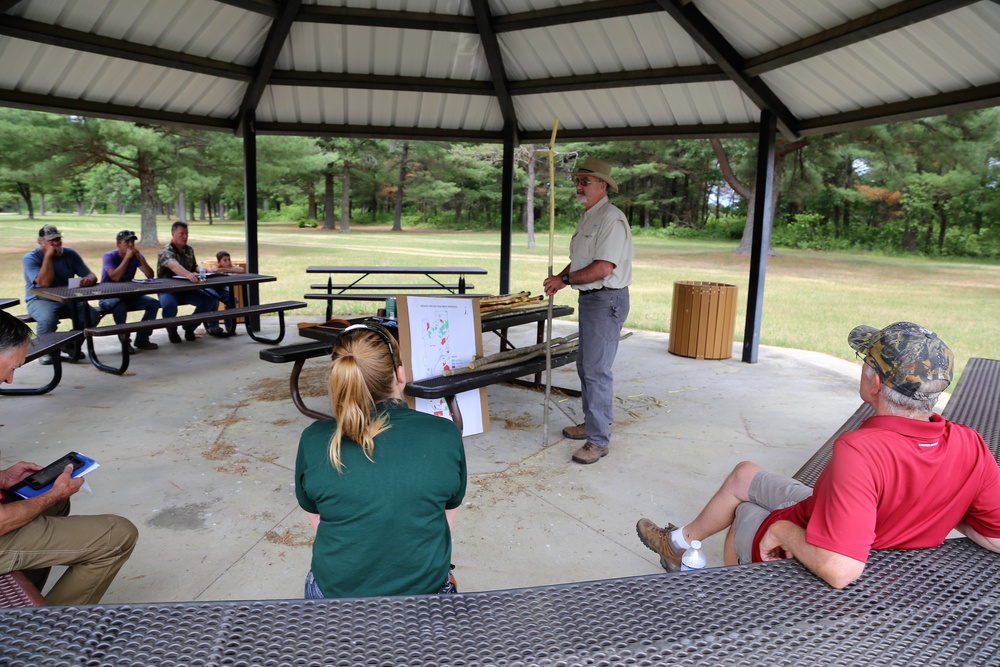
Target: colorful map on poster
443, 336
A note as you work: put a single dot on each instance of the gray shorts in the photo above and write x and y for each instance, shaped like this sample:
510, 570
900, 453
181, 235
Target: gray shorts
768, 492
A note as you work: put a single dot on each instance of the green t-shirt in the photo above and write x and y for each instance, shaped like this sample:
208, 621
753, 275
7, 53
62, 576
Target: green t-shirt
382, 528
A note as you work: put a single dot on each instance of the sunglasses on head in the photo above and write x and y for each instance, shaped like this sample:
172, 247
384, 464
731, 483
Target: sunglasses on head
374, 329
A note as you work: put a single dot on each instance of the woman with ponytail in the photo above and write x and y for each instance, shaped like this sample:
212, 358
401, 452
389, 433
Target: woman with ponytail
381, 482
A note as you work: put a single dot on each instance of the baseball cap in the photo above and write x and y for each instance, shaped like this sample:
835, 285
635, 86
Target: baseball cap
125, 235
907, 357
598, 169
49, 232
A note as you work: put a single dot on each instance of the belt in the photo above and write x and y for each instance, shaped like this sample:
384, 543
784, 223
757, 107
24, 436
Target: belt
602, 289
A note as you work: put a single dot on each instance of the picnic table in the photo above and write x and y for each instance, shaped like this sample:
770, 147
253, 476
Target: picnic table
921, 607
8, 302
73, 295
351, 290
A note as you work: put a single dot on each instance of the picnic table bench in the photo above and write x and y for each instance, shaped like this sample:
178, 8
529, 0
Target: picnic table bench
324, 337
50, 343
352, 291
917, 608
91, 330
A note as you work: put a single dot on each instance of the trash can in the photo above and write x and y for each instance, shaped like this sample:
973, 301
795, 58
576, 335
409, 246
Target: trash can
703, 320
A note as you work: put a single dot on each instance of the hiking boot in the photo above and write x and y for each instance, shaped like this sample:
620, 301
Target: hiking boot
74, 356
658, 539
219, 333
189, 335
589, 453
146, 345
174, 337
578, 432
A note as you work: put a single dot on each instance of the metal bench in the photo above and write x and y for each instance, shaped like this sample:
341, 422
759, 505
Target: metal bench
297, 355
50, 343
123, 330
17, 591
974, 403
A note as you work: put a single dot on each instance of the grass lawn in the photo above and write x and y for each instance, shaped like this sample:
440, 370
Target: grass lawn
811, 299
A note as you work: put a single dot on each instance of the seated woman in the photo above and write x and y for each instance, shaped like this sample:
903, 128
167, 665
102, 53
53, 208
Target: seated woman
381, 482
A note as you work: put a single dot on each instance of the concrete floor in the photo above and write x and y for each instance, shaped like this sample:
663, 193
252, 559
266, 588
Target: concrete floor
197, 445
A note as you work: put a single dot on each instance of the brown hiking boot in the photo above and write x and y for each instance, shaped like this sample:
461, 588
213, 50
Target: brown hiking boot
589, 453
658, 539
578, 432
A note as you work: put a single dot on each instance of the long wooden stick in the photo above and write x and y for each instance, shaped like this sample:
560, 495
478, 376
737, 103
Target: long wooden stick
552, 234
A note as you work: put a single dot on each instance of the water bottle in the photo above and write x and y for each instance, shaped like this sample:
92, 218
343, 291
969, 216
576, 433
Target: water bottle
201, 273
693, 558
390, 308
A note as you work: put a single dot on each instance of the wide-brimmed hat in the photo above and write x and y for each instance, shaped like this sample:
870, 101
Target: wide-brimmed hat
598, 169
49, 233
907, 357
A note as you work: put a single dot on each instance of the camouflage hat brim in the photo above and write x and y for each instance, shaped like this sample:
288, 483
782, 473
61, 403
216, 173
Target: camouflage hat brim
861, 337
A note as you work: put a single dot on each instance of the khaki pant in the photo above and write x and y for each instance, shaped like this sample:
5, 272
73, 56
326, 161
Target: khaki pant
93, 548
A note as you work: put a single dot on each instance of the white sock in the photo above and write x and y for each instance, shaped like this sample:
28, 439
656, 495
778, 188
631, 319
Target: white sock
677, 537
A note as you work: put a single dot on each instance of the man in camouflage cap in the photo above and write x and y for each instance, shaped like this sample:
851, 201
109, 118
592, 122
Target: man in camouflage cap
903, 480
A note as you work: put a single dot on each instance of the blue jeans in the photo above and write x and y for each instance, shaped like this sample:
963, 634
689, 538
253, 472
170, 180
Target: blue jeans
202, 302
602, 315
120, 308
225, 296
47, 314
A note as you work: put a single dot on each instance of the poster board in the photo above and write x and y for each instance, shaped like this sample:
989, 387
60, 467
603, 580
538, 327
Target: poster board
442, 332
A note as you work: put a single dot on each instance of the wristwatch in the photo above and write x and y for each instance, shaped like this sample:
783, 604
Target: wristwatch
565, 278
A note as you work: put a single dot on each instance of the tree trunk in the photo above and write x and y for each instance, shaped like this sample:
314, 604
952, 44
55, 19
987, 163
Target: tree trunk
529, 206
24, 189
311, 215
943, 230
328, 197
182, 206
147, 197
203, 206
746, 243
397, 221
345, 198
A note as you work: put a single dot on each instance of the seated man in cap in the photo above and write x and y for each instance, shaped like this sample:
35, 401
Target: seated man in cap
903, 480
119, 266
177, 260
37, 533
52, 265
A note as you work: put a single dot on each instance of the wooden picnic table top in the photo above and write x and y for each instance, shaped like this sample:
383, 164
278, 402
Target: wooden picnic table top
112, 290
401, 270
917, 607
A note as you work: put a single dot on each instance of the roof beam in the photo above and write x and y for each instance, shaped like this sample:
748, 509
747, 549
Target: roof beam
743, 130
417, 84
265, 7
273, 44
133, 114
707, 36
663, 76
33, 31
651, 77
494, 59
966, 99
894, 17
375, 18
599, 10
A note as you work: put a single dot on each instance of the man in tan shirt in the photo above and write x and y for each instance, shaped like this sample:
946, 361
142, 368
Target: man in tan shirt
600, 269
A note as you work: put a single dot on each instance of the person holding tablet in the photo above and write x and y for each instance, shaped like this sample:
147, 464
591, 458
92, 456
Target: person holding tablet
381, 482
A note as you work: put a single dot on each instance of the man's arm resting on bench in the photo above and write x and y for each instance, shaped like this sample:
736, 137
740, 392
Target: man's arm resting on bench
785, 539
991, 543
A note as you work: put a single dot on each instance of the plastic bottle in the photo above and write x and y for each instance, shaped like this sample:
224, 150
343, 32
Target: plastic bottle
693, 558
390, 308
201, 273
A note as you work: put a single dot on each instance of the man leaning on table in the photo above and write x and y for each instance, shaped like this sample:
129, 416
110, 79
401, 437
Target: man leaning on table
37, 533
903, 480
120, 266
177, 259
52, 265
